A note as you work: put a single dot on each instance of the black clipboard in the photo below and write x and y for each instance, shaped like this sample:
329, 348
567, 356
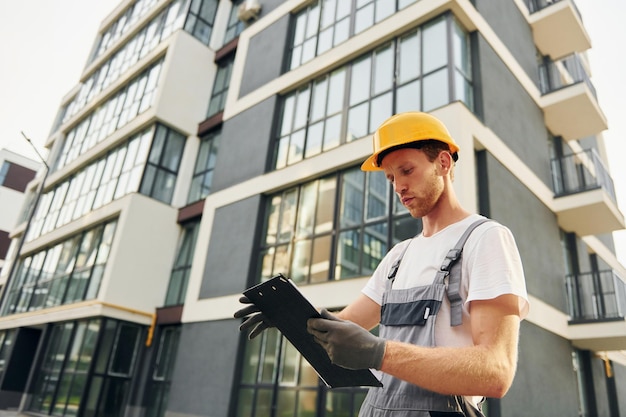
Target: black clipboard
281, 301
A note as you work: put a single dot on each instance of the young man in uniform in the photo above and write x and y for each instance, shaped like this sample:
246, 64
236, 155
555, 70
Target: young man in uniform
447, 340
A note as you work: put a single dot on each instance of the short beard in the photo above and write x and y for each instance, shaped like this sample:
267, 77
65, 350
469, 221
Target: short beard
429, 199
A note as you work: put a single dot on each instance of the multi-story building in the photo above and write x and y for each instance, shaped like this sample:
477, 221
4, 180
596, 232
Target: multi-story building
211, 144
16, 171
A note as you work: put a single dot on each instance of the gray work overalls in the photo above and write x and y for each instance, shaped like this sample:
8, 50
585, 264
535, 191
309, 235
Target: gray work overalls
409, 315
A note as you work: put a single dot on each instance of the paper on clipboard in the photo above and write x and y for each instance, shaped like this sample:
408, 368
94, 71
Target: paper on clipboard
281, 301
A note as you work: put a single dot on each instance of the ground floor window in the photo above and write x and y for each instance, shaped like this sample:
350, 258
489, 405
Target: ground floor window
277, 381
7, 339
161, 378
86, 368
332, 228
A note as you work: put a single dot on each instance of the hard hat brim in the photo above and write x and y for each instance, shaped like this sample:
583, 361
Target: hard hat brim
370, 164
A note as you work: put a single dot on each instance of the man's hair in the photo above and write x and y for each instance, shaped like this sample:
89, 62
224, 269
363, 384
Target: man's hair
431, 148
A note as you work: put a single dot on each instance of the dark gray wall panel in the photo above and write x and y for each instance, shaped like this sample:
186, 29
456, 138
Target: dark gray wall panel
584, 262
599, 386
233, 239
269, 5
536, 233
264, 61
511, 113
545, 383
511, 26
245, 146
619, 372
203, 374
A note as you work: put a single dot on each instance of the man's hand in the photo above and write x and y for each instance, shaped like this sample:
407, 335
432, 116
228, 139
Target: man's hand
253, 317
347, 344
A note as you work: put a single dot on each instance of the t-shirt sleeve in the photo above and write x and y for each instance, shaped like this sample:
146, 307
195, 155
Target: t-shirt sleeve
494, 267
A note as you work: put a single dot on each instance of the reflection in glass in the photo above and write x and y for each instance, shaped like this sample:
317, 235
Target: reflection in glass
435, 45
436, 91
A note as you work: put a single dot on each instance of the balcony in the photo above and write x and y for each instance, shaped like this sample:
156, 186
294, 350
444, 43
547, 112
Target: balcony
569, 99
584, 195
597, 305
557, 27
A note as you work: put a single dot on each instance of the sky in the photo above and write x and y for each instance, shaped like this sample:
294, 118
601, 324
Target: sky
44, 46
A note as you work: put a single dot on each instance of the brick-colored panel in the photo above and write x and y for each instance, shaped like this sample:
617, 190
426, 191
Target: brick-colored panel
5, 241
18, 177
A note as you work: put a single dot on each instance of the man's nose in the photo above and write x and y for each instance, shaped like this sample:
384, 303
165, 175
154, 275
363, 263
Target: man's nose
399, 187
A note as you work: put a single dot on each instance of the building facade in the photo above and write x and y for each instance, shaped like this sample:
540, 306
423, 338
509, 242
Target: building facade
210, 144
16, 171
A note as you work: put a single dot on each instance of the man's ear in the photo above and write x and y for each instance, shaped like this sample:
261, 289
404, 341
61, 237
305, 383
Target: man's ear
444, 161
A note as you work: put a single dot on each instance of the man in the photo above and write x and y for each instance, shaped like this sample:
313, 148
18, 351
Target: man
435, 359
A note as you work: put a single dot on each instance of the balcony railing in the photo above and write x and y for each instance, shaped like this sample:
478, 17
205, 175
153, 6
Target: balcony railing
580, 172
596, 296
537, 5
554, 75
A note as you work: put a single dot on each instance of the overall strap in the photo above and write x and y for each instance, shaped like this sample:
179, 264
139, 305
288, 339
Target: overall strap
396, 265
448, 269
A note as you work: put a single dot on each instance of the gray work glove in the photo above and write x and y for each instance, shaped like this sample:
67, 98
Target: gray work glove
253, 318
347, 344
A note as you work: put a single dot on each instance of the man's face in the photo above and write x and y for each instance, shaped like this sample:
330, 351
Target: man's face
417, 181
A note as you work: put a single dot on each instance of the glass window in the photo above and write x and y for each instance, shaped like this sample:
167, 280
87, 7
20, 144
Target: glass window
436, 92
276, 377
62, 377
323, 132
115, 175
7, 339
4, 169
138, 46
220, 86
336, 227
179, 277
325, 24
462, 67
410, 73
61, 382
435, 45
130, 101
66, 272
31, 276
205, 164
201, 18
198, 21
163, 164
123, 24
123, 356
159, 385
234, 26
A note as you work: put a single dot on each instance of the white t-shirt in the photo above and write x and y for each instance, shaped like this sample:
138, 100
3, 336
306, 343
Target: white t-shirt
491, 266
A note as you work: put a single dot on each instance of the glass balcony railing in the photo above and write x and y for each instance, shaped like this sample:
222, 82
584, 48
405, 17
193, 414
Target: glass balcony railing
554, 75
580, 172
596, 296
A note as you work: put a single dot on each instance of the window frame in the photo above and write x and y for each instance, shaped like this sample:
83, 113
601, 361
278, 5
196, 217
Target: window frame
282, 232
343, 20
203, 172
163, 164
221, 85
43, 279
295, 116
177, 289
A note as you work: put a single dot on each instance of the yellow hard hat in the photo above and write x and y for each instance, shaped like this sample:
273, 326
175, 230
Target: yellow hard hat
405, 128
